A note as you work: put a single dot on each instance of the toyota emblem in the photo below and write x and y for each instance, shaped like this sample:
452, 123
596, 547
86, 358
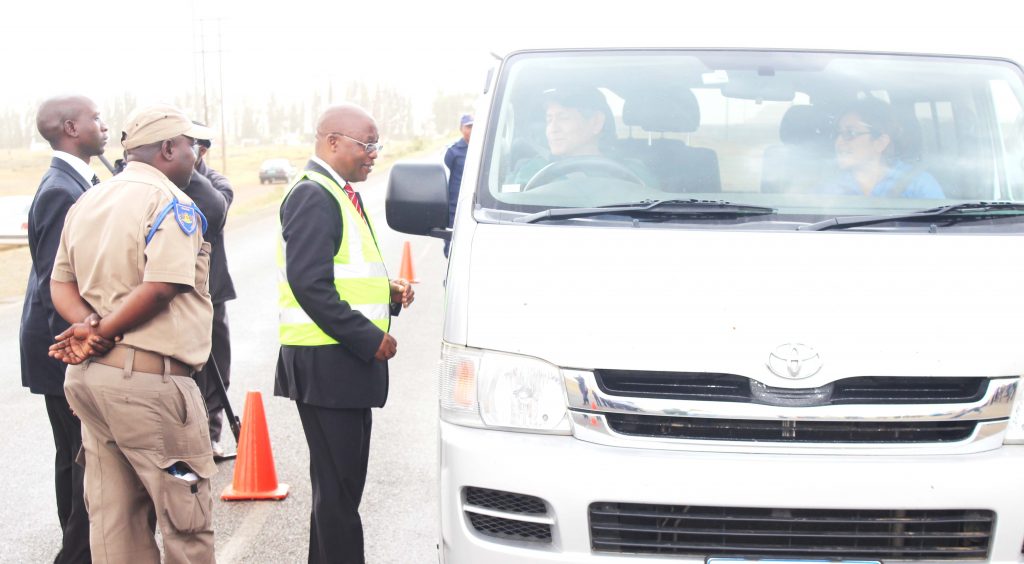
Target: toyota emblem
794, 361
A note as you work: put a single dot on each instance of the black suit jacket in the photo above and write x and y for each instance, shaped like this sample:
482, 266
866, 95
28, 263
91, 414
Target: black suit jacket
60, 187
345, 375
213, 194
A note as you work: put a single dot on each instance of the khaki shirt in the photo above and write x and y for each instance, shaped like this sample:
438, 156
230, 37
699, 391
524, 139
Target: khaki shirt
103, 248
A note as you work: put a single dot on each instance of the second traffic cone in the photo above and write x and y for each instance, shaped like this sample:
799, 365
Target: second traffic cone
255, 477
407, 271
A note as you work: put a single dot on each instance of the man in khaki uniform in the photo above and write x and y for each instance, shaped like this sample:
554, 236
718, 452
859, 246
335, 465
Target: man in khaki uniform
132, 269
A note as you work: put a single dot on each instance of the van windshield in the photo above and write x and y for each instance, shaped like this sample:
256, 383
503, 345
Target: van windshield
809, 135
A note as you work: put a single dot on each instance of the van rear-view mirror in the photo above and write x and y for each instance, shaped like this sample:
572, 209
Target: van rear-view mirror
417, 199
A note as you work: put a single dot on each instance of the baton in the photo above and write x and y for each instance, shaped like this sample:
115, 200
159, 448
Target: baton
233, 422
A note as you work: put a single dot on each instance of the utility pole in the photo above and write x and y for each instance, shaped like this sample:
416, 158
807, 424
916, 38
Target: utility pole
202, 51
220, 85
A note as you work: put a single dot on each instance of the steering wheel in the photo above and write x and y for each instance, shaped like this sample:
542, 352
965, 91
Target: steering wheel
588, 165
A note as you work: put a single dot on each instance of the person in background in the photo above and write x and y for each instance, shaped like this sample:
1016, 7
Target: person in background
455, 160
212, 192
74, 130
335, 314
869, 154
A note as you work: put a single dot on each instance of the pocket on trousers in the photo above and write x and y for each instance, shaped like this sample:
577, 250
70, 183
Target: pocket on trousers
134, 419
188, 435
188, 504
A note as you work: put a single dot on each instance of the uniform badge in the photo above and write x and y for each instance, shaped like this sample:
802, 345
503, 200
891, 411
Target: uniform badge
185, 215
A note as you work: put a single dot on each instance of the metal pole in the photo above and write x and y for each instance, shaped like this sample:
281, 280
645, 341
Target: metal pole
202, 51
223, 131
107, 164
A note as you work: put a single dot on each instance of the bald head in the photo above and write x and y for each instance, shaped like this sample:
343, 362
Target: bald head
72, 124
341, 132
340, 118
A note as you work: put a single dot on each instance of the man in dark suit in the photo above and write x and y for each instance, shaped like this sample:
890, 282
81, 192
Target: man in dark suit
212, 192
74, 130
335, 313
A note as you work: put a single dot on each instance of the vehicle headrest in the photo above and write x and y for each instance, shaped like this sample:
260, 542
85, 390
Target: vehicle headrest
803, 124
675, 111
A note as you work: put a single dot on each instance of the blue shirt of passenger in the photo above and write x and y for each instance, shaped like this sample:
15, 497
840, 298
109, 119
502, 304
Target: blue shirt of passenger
921, 185
455, 160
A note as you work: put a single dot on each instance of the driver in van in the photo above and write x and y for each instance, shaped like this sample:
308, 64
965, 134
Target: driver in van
868, 150
579, 123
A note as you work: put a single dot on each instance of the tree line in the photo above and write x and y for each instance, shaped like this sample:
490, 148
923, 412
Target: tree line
271, 120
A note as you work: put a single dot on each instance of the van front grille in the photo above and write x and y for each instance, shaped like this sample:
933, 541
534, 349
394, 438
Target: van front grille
700, 532
706, 386
790, 431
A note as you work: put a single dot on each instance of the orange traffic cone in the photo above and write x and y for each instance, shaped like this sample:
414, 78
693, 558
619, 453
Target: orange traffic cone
255, 477
407, 271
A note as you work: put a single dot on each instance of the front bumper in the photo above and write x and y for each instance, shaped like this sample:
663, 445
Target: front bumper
569, 474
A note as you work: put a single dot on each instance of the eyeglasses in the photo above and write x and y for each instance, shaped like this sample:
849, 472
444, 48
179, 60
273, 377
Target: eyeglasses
850, 134
368, 147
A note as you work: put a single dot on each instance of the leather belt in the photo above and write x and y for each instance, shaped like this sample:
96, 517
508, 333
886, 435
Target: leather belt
145, 361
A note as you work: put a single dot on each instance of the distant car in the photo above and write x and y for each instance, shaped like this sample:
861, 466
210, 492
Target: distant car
14, 219
273, 170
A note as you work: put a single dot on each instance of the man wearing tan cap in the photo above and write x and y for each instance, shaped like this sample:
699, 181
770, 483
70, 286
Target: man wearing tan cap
130, 276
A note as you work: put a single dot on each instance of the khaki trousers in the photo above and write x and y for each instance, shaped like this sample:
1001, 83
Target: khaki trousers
135, 425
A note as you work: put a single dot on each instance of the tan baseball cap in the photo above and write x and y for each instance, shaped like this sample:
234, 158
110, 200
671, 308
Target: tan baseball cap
159, 122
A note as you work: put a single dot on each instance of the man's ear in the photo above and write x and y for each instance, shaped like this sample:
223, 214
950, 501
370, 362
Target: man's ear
70, 128
167, 149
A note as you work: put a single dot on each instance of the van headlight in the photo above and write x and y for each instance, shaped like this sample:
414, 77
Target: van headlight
1015, 428
481, 388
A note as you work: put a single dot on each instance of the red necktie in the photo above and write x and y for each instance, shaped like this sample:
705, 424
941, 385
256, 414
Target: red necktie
352, 196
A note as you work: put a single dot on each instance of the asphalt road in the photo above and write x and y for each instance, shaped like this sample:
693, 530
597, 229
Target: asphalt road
399, 508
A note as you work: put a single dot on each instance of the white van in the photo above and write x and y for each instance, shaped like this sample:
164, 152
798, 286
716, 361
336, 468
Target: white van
733, 305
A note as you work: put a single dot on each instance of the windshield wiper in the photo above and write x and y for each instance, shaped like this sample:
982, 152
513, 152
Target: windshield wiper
953, 213
676, 208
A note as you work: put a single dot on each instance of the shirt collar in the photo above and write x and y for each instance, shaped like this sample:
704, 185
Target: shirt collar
337, 178
78, 164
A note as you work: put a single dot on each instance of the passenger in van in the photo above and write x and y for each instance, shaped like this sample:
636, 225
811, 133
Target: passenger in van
579, 123
869, 147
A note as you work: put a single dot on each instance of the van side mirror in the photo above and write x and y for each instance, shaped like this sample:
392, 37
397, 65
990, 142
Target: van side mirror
417, 199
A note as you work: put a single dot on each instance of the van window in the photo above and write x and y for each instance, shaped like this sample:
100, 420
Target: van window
810, 135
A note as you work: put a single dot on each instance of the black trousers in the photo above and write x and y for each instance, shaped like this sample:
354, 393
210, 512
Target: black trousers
74, 520
339, 450
221, 352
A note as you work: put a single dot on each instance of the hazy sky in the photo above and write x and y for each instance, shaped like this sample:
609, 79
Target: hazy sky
106, 47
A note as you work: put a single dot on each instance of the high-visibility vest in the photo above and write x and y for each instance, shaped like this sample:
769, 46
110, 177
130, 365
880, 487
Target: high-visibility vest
359, 275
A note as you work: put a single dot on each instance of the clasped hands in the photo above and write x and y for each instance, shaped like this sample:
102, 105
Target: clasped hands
81, 341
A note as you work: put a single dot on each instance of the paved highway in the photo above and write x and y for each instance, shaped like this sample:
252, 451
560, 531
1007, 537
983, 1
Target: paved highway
399, 507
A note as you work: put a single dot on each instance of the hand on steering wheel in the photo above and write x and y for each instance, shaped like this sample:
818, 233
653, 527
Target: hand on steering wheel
591, 165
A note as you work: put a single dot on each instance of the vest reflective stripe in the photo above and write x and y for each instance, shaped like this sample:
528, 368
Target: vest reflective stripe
360, 277
348, 271
294, 316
